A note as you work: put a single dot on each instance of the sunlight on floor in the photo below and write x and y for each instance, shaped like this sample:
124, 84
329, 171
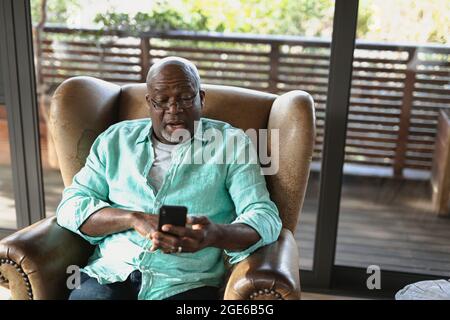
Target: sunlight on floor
4, 294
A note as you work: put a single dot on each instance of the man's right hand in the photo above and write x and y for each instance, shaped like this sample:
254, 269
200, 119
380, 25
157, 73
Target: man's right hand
108, 220
147, 226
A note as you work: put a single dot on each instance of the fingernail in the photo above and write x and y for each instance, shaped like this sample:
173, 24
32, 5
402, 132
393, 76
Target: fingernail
165, 228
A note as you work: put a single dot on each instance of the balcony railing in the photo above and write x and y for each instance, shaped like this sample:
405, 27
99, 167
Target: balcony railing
396, 91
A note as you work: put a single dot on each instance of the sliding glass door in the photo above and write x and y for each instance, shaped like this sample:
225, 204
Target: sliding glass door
21, 167
394, 211
7, 202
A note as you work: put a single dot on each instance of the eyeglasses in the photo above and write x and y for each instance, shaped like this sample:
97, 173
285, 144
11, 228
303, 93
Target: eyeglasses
182, 103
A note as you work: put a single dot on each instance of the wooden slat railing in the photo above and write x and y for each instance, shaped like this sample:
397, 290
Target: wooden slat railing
396, 89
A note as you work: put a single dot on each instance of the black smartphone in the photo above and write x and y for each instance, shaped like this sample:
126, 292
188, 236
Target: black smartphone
174, 215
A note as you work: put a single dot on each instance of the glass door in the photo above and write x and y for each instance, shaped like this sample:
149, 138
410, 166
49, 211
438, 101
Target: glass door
7, 201
394, 212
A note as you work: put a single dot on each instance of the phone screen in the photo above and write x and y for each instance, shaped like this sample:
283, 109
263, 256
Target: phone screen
174, 215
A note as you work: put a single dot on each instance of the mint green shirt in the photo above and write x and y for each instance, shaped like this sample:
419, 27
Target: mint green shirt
116, 175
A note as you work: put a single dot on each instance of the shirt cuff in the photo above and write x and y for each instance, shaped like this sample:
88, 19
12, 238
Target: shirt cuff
82, 219
247, 218
72, 216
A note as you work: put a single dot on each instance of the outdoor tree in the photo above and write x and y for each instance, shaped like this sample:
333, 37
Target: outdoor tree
56, 11
378, 20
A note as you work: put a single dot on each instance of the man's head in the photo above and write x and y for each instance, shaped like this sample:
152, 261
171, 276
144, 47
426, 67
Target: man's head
174, 98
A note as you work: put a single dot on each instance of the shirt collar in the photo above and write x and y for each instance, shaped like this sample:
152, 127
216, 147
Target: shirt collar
145, 133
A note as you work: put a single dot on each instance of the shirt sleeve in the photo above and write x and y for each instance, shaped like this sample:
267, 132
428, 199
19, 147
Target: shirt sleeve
247, 187
87, 194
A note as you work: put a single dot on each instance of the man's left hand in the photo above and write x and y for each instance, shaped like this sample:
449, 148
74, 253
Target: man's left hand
199, 233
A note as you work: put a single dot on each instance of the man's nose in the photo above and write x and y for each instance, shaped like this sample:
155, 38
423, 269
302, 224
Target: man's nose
173, 106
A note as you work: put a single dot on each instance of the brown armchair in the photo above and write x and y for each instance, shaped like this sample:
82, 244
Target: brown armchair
33, 261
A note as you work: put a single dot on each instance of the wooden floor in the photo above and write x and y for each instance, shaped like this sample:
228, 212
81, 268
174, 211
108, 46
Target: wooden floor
382, 221
6, 295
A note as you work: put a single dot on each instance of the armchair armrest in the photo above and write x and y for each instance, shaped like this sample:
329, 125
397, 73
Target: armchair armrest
271, 272
33, 261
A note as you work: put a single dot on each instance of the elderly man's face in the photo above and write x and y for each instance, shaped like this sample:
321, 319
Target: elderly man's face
174, 103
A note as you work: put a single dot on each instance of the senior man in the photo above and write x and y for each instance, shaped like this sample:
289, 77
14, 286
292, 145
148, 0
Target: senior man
136, 166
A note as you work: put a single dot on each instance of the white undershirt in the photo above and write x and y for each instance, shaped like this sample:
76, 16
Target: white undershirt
161, 162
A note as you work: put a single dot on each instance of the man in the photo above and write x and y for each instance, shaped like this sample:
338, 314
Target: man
135, 167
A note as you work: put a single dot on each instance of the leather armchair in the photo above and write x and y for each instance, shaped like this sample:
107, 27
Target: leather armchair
33, 261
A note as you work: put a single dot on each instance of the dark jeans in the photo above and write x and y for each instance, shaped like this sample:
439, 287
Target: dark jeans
90, 289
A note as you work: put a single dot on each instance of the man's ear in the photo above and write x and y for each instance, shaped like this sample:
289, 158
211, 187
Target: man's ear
148, 99
202, 98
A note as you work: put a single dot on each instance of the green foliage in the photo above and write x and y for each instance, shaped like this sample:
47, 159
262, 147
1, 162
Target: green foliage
406, 21
365, 15
300, 17
58, 11
313, 18
162, 19
113, 20
378, 20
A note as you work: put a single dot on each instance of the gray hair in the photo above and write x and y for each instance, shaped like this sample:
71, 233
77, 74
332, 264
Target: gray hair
187, 66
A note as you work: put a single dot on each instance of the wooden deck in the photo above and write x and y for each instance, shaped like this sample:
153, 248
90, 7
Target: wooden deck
382, 221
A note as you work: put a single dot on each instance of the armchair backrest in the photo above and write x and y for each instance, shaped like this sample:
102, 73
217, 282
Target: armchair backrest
83, 107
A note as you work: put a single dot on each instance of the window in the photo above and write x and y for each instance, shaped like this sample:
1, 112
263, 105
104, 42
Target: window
400, 85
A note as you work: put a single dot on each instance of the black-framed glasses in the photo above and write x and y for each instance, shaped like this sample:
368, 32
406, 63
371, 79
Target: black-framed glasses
182, 103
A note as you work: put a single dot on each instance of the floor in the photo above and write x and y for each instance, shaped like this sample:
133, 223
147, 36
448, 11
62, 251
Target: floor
5, 295
382, 222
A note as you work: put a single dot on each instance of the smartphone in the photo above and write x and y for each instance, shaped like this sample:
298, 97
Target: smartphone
174, 215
